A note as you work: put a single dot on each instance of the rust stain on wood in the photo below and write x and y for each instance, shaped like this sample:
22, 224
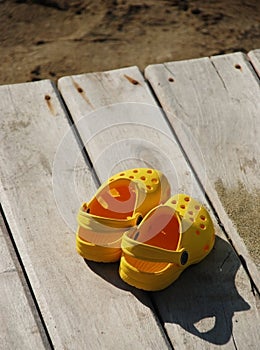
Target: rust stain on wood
82, 93
132, 80
50, 105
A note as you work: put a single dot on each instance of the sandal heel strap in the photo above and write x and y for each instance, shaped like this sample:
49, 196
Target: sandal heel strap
98, 223
103, 231
154, 254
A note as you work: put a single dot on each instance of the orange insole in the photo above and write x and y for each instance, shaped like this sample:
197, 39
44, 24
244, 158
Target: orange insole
161, 229
115, 202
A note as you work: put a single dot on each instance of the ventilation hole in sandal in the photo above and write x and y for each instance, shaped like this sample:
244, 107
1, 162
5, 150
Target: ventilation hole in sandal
111, 180
197, 232
131, 177
190, 212
149, 187
202, 226
206, 247
182, 206
203, 217
191, 219
187, 199
174, 201
149, 171
135, 171
143, 178
122, 174
197, 207
155, 181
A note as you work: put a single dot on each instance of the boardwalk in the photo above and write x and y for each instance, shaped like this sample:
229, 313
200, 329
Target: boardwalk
199, 122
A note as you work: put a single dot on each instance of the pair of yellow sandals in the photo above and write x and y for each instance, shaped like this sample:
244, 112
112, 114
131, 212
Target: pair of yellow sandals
132, 218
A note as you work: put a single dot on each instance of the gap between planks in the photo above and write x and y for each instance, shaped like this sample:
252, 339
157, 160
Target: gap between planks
19, 301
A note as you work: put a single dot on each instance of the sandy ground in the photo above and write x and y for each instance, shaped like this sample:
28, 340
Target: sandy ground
52, 38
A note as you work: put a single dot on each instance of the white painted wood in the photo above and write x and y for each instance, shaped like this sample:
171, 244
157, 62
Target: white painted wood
254, 57
219, 285
81, 310
217, 99
16, 331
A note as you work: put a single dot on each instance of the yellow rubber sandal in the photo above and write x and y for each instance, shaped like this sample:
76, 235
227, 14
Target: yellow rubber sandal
118, 205
169, 239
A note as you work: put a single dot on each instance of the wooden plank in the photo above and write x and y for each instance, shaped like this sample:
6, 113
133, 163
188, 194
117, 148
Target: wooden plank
254, 57
119, 116
211, 306
217, 100
122, 126
39, 154
18, 328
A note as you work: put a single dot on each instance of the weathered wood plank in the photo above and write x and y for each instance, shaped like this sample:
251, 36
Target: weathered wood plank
16, 331
217, 99
254, 57
122, 126
80, 309
211, 306
135, 133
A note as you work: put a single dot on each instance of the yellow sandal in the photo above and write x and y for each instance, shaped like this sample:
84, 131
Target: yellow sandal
169, 239
118, 205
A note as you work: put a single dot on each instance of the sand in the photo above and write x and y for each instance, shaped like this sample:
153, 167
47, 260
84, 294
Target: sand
42, 39
243, 209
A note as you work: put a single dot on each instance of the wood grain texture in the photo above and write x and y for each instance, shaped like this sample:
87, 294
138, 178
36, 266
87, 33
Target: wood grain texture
119, 117
16, 331
254, 57
122, 127
217, 99
81, 310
